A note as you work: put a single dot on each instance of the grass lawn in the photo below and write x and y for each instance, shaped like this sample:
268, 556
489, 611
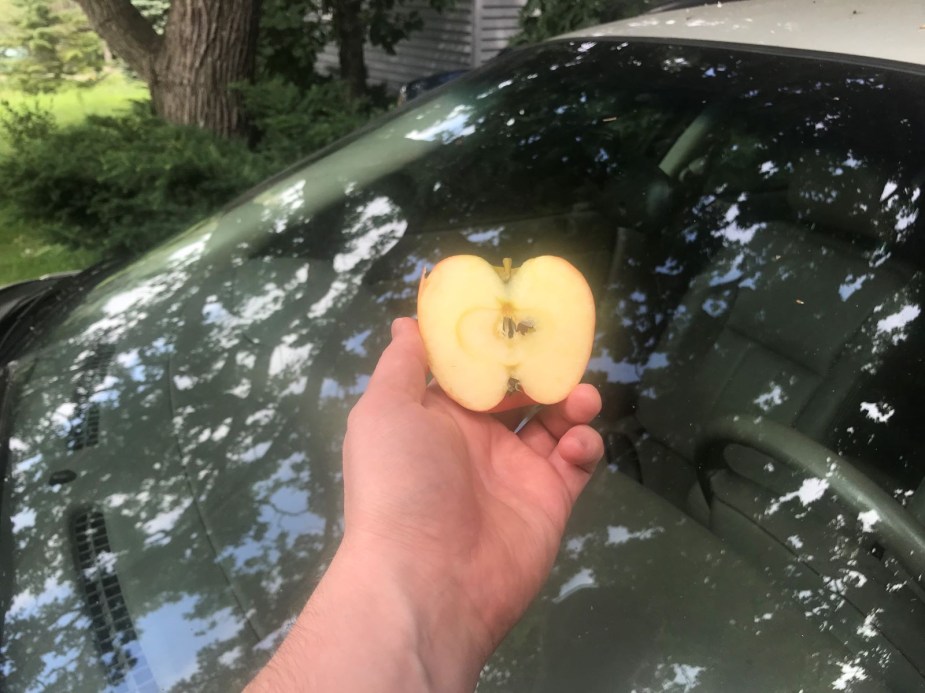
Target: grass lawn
71, 105
23, 254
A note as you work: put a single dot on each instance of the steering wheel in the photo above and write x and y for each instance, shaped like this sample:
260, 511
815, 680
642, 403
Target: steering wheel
895, 527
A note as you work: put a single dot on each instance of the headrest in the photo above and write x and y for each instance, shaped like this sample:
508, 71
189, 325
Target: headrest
847, 194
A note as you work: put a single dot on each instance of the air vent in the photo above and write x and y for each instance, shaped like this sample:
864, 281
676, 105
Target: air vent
113, 632
85, 428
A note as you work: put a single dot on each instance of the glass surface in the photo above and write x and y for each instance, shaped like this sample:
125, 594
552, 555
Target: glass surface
750, 227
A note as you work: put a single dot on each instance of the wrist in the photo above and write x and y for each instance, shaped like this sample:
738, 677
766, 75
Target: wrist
444, 634
377, 624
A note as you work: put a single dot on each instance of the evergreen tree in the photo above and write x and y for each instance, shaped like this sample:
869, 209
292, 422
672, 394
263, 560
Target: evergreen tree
57, 42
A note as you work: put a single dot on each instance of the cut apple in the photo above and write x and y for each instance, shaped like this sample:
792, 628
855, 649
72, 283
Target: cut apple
499, 336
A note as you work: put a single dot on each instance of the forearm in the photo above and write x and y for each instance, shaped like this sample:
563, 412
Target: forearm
367, 627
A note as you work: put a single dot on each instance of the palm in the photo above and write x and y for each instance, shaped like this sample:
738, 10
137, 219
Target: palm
459, 492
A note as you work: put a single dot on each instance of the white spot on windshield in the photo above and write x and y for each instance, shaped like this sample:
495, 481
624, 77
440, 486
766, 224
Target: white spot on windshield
773, 398
454, 125
868, 628
868, 519
897, 322
851, 285
685, 677
850, 673
619, 534
24, 519
288, 358
491, 236
383, 222
809, 492
581, 580
657, 359
615, 371
878, 412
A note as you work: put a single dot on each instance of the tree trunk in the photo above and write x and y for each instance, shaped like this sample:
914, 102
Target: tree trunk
207, 46
351, 38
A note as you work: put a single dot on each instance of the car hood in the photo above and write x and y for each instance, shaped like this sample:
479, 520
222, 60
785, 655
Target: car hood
888, 31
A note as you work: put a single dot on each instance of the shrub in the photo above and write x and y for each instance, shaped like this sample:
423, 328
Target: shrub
118, 184
293, 122
121, 184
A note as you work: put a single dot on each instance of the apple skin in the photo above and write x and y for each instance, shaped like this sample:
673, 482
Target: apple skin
517, 400
476, 275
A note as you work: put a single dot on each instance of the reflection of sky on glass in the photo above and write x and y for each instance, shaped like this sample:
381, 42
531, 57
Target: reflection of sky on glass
584, 578
173, 658
455, 124
354, 344
619, 534
895, 324
331, 389
616, 371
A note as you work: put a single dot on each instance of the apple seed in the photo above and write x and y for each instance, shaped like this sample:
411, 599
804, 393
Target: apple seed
525, 326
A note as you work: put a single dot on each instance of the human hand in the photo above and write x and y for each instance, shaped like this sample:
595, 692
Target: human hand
452, 522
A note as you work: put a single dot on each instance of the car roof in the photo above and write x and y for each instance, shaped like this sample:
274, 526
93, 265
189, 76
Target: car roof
891, 30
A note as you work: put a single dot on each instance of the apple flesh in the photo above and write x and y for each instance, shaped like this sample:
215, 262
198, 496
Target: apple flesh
501, 337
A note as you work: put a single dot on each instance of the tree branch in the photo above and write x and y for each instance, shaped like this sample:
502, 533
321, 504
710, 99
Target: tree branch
126, 31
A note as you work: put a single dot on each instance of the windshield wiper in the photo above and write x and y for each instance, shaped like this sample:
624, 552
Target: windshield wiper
22, 324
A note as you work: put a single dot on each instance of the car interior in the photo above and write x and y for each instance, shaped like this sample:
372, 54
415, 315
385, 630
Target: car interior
755, 298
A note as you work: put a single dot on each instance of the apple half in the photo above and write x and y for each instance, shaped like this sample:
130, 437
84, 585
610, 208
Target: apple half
501, 337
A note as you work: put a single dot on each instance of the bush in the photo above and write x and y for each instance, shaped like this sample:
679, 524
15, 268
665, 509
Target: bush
118, 184
121, 184
293, 122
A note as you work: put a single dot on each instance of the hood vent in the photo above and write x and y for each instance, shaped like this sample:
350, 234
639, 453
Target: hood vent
113, 632
85, 427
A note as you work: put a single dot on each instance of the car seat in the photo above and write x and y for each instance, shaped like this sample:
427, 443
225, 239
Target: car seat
790, 322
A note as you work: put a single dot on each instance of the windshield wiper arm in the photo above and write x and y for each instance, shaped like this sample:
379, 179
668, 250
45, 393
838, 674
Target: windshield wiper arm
19, 326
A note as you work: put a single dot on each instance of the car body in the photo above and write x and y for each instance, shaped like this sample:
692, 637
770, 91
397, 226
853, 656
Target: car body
744, 195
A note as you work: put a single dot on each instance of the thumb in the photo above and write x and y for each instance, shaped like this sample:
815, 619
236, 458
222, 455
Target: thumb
402, 368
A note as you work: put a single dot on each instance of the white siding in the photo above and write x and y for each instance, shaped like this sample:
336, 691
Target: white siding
447, 42
444, 44
500, 20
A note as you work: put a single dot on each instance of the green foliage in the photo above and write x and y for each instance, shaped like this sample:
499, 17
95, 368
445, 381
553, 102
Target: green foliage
155, 11
119, 183
115, 184
388, 22
291, 34
51, 42
543, 19
293, 122
26, 122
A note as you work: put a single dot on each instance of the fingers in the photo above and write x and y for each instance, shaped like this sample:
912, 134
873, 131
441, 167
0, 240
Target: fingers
543, 432
402, 368
576, 456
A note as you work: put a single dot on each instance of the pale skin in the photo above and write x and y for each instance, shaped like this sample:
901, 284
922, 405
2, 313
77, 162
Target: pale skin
452, 522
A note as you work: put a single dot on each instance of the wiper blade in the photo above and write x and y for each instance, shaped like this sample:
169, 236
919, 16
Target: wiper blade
20, 325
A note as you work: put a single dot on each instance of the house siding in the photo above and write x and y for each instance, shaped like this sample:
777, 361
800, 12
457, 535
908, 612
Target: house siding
450, 40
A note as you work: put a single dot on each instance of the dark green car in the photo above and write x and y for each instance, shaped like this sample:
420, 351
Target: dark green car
750, 222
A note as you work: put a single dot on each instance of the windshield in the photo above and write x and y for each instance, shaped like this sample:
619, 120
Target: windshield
750, 227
